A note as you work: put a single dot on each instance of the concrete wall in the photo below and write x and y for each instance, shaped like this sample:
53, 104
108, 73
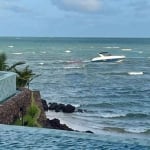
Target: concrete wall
7, 84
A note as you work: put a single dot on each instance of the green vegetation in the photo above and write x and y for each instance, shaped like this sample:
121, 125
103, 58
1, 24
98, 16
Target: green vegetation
31, 117
24, 75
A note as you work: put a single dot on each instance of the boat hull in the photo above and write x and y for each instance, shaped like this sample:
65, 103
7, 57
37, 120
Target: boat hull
108, 59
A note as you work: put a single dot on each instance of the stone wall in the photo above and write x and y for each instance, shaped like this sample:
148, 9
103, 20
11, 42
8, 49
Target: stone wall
42, 117
13, 108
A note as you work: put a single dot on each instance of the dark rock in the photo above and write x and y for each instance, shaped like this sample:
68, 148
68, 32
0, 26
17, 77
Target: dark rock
89, 132
44, 103
59, 107
69, 109
52, 106
55, 124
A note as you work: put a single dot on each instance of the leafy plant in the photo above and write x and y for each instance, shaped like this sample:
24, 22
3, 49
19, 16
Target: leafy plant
31, 117
24, 75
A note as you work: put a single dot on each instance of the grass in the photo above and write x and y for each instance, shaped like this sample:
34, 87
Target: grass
31, 117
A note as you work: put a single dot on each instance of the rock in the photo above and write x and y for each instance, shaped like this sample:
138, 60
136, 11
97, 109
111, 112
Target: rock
52, 106
61, 107
88, 132
68, 109
55, 124
44, 103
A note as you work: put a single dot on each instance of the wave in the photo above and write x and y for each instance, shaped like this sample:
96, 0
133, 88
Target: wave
138, 130
111, 115
73, 67
136, 73
76, 105
129, 130
17, 53
108, 105
109, 47
120, 73
140, 52
114, 129
146, 131
126, 116
10, 46
126, 49
41, 63
67, 51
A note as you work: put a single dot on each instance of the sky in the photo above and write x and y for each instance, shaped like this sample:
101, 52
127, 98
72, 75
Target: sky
75, 18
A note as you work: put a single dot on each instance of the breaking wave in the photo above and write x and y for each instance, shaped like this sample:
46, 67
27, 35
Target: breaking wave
126, 116
126, 49
130, 130
110, 47
136, 73
17, 53
10, 46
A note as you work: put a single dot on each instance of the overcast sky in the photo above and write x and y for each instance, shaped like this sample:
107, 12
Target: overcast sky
75, 18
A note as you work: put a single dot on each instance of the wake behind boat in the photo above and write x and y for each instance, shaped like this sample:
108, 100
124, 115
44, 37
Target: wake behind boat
106, 57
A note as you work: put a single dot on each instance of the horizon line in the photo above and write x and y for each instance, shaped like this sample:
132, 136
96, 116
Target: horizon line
68, 37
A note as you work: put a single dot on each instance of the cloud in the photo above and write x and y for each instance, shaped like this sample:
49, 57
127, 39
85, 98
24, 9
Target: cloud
13, 7
78, 5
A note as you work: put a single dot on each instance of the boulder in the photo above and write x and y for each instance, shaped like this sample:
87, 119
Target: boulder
55, 124
61, 107
52, 106
68, 109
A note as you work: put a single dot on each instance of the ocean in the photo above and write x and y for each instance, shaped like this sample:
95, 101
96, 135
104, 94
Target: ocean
113, 95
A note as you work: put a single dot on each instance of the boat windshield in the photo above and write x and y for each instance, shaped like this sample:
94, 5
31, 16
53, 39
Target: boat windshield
104, 54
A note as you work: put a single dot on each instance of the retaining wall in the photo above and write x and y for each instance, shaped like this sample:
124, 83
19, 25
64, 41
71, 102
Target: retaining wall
13, 108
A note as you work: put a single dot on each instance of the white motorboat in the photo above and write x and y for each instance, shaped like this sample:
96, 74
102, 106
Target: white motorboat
106, 57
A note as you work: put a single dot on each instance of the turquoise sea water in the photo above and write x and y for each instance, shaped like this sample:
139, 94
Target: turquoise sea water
115, 96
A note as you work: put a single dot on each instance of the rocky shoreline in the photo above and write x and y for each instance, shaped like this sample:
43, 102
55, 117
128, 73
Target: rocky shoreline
59, 107
14, 107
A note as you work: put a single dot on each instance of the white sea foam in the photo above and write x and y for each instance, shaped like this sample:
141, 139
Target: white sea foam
126, 49
43, 52
68, 51
136, 73
68, 119
116, 47
10, 46
17, 53
136, 130
73, 67
110, 115
41, 63
110, 47
76, 105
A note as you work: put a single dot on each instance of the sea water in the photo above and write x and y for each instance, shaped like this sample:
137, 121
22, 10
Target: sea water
114, 96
